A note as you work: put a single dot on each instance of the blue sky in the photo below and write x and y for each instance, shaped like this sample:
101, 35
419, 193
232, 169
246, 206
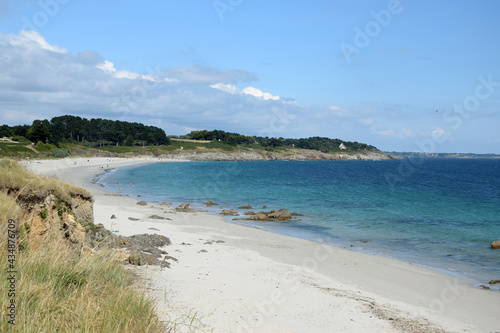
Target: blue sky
367, 71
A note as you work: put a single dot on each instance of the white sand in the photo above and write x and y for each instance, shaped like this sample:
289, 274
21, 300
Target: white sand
257, 281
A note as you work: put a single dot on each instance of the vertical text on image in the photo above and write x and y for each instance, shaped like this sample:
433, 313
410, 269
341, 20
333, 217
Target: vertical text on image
11, 270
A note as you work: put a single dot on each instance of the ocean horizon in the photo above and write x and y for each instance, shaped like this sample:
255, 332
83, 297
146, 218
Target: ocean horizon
440, 213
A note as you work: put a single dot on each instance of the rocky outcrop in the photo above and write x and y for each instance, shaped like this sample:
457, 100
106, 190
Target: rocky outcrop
300, 155
141, 249
72, 222
140, 259
82, 209
245, 207
50, 212
73, 231
145, 240
184, 208
229, 212
157, 217
44, 217
274, 215
495, 245
280, 215
209, 203
144, 249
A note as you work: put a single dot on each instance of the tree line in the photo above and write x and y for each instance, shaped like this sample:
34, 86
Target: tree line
81, 130
314, 143
101, 132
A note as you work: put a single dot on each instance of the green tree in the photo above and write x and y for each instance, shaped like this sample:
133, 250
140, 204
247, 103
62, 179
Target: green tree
6, 130
39, 131
275, 142
21, 130
129, 141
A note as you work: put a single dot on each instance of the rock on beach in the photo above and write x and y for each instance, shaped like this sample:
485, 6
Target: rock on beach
274, 215
229, 212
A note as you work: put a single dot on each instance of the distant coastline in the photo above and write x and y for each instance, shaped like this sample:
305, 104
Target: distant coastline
441, 155
291, 155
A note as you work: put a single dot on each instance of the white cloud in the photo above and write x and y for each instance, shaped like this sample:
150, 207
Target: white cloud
33, 36
109, 67
259, 93
40, 81
228, 88
439, 134
170, 80
232, 89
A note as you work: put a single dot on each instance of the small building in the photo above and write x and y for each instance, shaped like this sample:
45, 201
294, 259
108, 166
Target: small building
342, 146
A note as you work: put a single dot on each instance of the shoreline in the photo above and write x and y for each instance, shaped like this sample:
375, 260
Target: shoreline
261, 281
462, 270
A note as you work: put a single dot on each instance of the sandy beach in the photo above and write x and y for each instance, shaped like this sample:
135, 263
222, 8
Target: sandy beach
232, 278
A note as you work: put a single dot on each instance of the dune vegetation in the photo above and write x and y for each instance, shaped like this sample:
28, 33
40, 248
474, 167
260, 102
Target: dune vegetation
53, 286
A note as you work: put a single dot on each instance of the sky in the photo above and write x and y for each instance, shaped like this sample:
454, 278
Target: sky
408, 75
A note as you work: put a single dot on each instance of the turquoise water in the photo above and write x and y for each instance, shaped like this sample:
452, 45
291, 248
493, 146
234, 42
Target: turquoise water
416, 210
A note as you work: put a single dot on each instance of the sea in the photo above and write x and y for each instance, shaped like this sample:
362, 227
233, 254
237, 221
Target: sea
436, 212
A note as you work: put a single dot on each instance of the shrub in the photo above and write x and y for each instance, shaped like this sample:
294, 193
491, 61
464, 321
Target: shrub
44, 147
20, 138
59, 152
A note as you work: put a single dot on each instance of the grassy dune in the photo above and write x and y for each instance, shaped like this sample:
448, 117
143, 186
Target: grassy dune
57, 289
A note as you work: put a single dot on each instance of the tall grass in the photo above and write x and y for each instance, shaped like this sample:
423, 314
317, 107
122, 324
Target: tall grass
15, 149
58, 289
15, 178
